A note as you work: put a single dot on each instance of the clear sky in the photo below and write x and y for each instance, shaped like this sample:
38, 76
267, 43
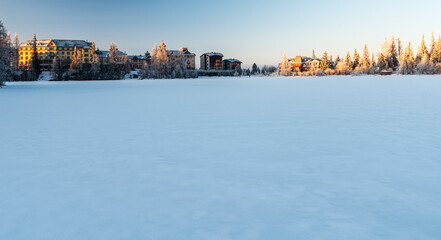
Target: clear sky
250, 30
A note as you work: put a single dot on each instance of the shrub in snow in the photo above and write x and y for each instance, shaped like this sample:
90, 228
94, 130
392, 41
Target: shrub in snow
425, 66
342, 68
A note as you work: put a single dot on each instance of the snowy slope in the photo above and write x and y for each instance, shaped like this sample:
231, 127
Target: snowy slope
222, 158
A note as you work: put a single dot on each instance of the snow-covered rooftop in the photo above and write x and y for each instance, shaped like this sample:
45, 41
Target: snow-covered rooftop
232, 60
213, 54
184, 50
59, 43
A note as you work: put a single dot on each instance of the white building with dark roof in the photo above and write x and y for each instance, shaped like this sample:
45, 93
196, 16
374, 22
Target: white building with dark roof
189, 58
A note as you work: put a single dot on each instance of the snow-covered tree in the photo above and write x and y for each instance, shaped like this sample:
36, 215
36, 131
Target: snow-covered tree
76, 58
365, 61
373, 64
392, 57
285, 69
422, 51
254, 69
343, 68
435, 57
407, 64
238, 71
325, 63
348, 60
426, 66
313, 53
113, 50
399, 49
5, 60
382, 62
161, 60
432, 45
356, 62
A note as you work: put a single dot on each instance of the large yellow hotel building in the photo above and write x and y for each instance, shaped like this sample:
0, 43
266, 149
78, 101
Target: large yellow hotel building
49, 49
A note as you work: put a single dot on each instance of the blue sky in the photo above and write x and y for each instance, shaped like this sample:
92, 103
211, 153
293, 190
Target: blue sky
250, 30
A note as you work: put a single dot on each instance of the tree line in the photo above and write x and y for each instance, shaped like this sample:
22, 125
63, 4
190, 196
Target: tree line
394, 57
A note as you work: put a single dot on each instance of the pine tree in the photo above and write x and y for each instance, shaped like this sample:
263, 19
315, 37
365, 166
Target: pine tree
382, 62
399, 49
422, 50
5, 61
325, 64
16, 42
35, 69
348, 61
285, 69
313, 53
432, 45
373, 64
392, 55
356, 62
436, 55
407, 65
337, 59
254, 69
365, 60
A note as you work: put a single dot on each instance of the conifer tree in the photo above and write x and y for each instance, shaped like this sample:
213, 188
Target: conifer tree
373, 64
399, 49
16, 42
5, 61
382, 62
35, 69
348, 61
422, 50
365, 60
254, 69
436, 55
392, 55
324, 64
432, 45
313, 53
407, 65
356, 62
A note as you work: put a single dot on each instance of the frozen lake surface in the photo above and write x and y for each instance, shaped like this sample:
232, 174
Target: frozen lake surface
222, 158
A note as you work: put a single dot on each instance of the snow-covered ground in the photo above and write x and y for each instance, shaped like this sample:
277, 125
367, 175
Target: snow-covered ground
222, 158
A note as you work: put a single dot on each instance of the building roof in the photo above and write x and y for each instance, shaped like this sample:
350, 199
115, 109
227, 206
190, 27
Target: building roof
232, 60
176, 52
137, 57
213, 54
105, 54
59, 43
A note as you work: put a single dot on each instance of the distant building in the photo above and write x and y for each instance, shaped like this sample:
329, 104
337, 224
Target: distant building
189, 58
120, 58
302, 64
50, 49
211, 61
139, 61
230, 64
